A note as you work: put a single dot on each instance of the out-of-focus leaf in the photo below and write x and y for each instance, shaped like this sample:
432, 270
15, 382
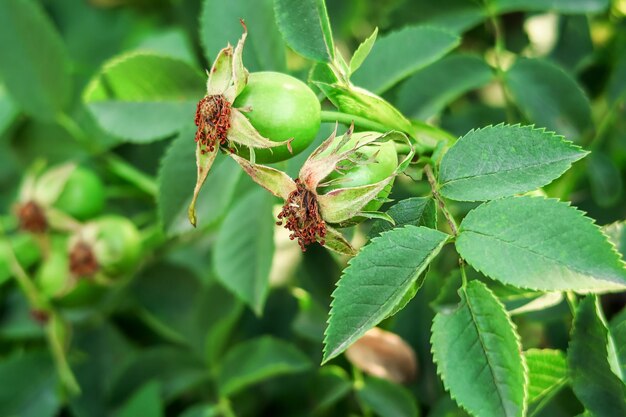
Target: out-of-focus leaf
601, 391
418, 211
305, 27
29, 385
219, 25
33, 61
376, 280
142, 97
102, 352
574, 48
328, 386
146, 402
399, 54
8, 110
560, 6
176, 369
432, 88
538, 243
387, 399
176, 179
478, 355
169, 42
605, 179
244, 249
256, 360
549, 97
499, 161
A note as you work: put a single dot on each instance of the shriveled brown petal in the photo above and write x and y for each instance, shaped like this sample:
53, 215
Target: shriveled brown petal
204, 160
385, 355
273, 180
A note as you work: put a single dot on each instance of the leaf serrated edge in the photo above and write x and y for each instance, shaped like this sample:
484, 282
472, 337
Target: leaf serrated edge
383, 236
582, 214
518, 341
532, 128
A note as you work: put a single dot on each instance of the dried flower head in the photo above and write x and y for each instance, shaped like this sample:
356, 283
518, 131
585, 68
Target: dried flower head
83, 262
32, 217
301, 216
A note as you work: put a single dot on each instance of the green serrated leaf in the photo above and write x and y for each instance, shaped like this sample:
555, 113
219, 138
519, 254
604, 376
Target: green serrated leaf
418, 211
592, 378
387, 399
256, 360
362, 51
142, 97
34, 64
29, 385
432, 88
549, 97
547, 374
478, 355
219, 25
499, 161
305, 27
176, 179
244, 249
399, 54
375, 282
537, 243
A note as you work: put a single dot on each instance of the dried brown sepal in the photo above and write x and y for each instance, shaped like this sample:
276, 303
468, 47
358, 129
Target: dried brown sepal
301, 216
32, 217
213, 122
83, 262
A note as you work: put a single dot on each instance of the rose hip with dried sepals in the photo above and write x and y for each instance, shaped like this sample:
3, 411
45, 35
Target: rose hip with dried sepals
272, 114
311, 214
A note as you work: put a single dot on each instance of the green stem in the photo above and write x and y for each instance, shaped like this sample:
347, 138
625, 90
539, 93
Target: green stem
131, 174
442, 205
115, 164
226, 408
359, 383
500, 49
38, 302
463, 273
348, 119
58, 353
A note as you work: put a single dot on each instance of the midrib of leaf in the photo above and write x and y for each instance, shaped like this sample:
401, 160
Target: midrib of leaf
553, 260
486, 353
486, 174
321, 8
342, 346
